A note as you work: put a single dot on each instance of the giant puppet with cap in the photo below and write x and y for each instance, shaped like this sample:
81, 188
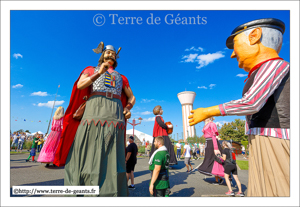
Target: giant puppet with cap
93, 148
265, 103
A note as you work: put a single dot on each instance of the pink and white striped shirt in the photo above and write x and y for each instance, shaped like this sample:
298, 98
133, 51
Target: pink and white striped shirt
266, 81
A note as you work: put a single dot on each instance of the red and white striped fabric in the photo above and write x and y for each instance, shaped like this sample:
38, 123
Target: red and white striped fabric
266, 81
270, 132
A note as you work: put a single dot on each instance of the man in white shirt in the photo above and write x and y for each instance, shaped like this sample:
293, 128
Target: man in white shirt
202, 149
243, 152
15, 141
178, 146
187, 156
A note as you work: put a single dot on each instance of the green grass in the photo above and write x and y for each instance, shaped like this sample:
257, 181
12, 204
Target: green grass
24, 152
242, 164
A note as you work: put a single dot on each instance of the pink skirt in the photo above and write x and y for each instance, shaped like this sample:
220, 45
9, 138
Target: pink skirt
50, 146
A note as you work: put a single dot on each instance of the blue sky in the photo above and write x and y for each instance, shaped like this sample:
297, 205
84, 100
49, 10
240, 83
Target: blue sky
51, 48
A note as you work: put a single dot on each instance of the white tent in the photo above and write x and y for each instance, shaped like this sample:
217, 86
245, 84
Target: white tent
37, 132
140, 135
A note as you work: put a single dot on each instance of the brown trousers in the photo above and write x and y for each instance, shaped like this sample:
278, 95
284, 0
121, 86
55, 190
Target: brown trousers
269, 167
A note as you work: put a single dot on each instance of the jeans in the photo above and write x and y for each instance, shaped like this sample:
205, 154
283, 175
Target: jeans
39, 147
14, 144
178, 153
20, 145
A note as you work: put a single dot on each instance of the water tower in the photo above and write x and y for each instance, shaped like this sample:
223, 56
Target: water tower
186, 99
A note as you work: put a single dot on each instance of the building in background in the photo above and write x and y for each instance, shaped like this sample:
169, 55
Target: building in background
186, 99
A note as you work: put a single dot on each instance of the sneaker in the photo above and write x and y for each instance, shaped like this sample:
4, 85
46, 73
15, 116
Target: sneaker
216, 183
187, 171
240, 194
47, 165
230, 193
130, 187
27, 160
222, 181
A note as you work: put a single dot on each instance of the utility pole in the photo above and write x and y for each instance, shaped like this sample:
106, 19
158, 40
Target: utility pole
134, 124
52, 110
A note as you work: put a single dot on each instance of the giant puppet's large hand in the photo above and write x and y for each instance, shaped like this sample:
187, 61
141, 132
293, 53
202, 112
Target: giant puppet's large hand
127, 113
130, 103
201, 114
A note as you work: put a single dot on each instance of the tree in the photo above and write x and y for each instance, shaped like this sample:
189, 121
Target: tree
20, 130
28, 131
172, 140
234, 130
202, 139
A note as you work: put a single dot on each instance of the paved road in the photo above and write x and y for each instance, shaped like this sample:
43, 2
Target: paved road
182, 184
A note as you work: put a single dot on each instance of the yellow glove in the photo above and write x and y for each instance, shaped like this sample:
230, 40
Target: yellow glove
200, 114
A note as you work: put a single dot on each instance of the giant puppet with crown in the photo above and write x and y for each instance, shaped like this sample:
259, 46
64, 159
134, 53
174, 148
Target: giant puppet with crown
92, 146
265, 103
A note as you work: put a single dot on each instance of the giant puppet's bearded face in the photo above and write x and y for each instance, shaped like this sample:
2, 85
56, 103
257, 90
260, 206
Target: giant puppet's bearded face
110, 57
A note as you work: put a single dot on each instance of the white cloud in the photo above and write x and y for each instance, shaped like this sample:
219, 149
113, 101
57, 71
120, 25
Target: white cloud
149, 119
206, 59
146, 113
195, 49
241, 75
221, 123
202, 87
146, 100
17, 86
190, 58
211, 86
34, 104
39, 93
49, 104
17, 55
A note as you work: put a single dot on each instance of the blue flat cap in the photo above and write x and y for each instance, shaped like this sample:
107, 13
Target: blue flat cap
269, 22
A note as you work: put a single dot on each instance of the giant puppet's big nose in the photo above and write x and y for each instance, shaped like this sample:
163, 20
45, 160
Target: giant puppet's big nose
233, 55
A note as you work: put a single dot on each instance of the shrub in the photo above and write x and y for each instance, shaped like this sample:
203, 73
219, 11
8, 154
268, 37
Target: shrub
27, 144
141, 149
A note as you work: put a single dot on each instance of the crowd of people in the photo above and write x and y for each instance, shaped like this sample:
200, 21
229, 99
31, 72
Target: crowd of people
20, 138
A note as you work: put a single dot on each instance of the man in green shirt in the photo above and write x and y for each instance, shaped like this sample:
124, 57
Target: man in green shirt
33, 147
159, 167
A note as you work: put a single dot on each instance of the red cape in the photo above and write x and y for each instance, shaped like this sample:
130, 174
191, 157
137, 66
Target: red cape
70, 125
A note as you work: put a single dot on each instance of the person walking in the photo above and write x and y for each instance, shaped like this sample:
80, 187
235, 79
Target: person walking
212, 147
244, 152
131, 160
33, 147
187, 156
21, 141
202, 149
148, 148
178, 147
40, 143
15, 141
159, 166
230, 167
